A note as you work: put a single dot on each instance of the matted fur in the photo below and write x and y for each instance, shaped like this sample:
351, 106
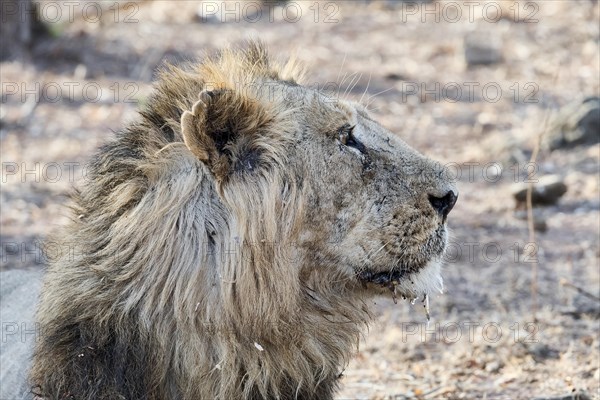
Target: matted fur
226, 242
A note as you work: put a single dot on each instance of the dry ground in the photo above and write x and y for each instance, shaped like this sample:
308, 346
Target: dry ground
487, 339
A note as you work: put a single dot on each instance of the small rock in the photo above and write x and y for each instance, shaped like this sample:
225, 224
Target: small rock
417, 355
395, 76
540, 225
546, 191
541, 352
570, 396
575, 124
482, 49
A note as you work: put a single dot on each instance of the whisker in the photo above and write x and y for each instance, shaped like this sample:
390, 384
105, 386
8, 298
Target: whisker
357, 77
346, 76
367, 88
341, 67
372, 98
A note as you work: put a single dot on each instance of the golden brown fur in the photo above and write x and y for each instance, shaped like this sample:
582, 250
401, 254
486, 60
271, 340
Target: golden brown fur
228, 242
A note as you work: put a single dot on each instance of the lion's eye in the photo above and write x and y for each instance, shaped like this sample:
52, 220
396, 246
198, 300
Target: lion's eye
345, 133
348, 139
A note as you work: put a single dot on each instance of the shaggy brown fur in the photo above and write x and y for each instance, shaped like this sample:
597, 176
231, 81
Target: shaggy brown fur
229, 240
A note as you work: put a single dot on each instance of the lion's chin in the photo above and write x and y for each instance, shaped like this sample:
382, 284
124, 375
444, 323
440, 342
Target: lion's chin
409, 285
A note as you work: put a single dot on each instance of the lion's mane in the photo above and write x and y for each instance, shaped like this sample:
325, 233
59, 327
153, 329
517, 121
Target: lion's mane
180, 285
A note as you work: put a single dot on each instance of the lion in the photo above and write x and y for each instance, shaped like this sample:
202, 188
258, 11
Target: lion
230, 240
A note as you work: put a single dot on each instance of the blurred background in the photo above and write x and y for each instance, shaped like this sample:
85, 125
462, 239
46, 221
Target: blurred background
506, 93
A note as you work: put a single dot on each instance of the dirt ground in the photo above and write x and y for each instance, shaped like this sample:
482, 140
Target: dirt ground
496, 332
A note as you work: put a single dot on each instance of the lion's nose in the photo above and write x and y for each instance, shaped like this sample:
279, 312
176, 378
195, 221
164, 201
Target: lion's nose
443, 205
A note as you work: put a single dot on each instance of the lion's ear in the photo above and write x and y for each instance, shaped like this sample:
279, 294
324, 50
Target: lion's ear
193, 123
221, 131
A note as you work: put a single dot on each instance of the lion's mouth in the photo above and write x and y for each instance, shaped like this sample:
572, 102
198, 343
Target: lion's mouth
391, 280
383, 278
405, 283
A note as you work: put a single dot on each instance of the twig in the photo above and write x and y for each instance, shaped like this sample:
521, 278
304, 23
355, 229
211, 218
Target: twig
531, 225
582, 291
530, 221
531, 229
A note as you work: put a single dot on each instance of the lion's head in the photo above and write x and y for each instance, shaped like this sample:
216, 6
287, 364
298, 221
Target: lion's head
231, 237
370, 211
